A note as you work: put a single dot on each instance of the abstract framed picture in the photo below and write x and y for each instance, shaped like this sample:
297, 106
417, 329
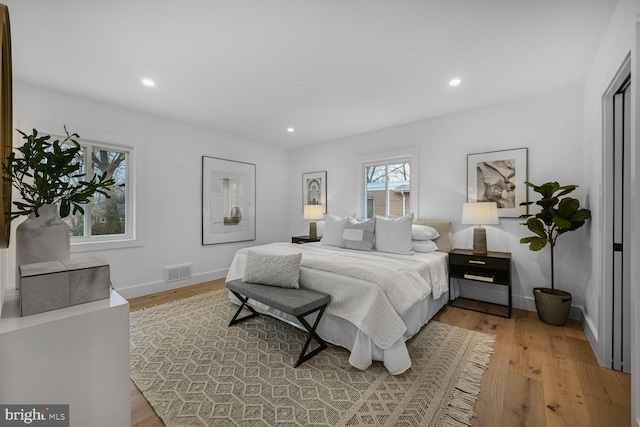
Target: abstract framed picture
499, 176
228, 201
314, 189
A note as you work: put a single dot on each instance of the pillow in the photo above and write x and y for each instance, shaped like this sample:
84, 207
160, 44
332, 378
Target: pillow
424, 232
358, 234
333, 231
424, 246
275, 270
320, 228
394, 235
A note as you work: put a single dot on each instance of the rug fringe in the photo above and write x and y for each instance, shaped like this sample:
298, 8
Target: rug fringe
460, 409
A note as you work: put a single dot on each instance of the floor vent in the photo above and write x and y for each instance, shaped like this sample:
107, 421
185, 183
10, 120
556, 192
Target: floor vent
177, 272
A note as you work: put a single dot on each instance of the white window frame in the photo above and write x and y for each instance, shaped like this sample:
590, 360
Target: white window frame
408, 154
133, 235
91, 145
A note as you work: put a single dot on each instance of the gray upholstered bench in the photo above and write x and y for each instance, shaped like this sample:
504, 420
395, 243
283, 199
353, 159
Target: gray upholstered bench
297, 302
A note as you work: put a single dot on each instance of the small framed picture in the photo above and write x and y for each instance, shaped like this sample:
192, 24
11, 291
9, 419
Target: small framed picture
499, 176
314, 189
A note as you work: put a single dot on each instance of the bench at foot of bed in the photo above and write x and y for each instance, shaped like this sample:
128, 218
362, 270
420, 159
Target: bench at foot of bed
296, 302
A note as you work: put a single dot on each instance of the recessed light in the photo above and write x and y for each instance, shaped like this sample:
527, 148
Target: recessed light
148, 83
454, 82
290, 130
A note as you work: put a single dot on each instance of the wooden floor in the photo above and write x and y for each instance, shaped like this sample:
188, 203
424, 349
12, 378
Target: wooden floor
540, 375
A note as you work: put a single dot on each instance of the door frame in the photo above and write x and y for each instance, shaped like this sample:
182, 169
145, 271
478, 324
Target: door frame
606, 302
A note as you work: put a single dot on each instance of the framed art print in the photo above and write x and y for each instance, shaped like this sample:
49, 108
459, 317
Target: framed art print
6, 121
314, 189
499, 176
228, 201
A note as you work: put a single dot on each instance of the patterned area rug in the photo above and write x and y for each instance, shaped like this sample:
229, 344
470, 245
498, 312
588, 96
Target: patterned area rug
196, 371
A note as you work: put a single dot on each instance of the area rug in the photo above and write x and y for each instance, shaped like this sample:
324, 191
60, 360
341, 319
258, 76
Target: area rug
196, 371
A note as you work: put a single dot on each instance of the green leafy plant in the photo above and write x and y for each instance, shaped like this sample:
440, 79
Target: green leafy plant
558, 215
51, 173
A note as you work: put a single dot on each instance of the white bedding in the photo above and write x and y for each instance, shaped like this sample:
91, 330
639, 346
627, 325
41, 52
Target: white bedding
386, 297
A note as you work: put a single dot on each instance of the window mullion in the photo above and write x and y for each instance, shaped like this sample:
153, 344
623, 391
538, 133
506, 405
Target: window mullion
387, 210
88, 207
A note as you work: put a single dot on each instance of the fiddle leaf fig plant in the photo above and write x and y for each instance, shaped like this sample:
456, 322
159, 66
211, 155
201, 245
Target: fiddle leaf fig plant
558, 215
51, 173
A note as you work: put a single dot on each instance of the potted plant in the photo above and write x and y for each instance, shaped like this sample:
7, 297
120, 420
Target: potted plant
50, 178
558, 215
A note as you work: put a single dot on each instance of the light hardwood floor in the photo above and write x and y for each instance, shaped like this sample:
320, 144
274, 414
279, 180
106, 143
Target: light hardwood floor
540, 375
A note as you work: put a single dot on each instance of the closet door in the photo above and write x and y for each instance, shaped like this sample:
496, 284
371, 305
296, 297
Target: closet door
620, 280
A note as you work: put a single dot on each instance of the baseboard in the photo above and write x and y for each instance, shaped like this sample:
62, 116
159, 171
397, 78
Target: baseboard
487, 292
497, 294
161, 286
524, 303
591, 331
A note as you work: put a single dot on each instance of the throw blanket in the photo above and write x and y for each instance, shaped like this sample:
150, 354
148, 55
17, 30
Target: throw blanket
371, 290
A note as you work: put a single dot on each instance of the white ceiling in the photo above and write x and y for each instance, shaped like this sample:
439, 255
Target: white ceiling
328, 68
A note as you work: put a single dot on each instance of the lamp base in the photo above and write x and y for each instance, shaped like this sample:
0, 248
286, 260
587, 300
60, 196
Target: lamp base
479, 241
313, 230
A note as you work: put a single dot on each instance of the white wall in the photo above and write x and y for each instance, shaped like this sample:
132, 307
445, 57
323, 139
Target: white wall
619, 41
549, 125
171, 187
635, 228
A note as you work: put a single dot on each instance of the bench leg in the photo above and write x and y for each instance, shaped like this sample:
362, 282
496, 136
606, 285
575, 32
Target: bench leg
311, 330
244, 304
311, 333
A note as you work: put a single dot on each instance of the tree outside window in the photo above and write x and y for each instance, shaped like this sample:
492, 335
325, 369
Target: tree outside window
104, 216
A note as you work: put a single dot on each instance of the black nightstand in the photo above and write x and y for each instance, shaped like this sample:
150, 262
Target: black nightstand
493, 268
304, 239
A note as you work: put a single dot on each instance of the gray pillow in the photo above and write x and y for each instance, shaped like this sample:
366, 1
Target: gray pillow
394, 235
333, 231
274, 270
358, 234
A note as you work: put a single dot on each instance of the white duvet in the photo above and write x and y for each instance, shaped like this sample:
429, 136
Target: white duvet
372, 290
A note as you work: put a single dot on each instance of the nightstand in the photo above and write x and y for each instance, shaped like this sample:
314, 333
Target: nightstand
304, 239
494, 268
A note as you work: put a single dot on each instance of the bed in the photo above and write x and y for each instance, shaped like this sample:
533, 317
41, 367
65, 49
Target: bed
379, 300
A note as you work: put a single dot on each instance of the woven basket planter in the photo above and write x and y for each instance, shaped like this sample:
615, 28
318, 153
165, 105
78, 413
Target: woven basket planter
553, 305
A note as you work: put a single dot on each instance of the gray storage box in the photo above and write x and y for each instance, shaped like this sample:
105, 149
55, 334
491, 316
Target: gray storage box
51, 285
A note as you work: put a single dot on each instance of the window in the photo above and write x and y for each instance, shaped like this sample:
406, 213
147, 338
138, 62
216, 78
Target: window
104, 217
107, 223
387, 188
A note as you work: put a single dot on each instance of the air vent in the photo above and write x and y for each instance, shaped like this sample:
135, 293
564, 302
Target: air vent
172, 273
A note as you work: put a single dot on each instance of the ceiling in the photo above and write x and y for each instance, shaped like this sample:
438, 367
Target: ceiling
327, 68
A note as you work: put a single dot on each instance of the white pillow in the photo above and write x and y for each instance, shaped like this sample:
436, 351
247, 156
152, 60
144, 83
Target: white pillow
333, 230
275, 270
320, 228
394, 235
424, 232
424, 246
358, 234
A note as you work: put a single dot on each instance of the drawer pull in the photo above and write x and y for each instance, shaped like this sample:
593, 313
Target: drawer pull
472, 261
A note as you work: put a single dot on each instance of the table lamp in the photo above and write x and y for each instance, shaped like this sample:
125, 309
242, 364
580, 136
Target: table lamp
313, 212
478, 214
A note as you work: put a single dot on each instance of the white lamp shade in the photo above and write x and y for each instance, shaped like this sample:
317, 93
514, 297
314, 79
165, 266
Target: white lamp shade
313, 212
481, 213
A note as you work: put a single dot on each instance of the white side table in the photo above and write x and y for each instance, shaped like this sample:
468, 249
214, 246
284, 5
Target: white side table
77, 355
